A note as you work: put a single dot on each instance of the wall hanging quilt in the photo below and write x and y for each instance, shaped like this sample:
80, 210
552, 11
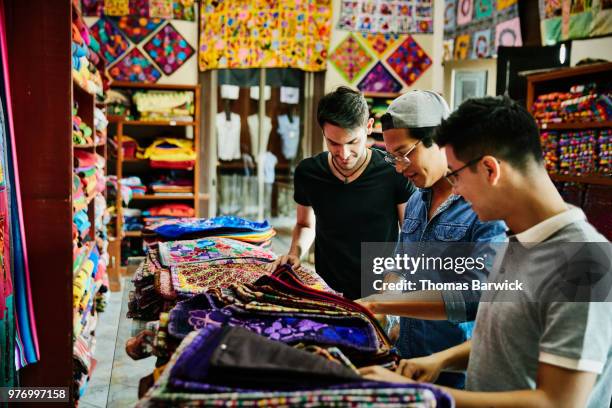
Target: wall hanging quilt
383, 16
137, 28
350, 58
409, 61
475, 28
134, 67
113, 43
169, 49
379, 79
264, 34
563, 20
166, 9
380, 43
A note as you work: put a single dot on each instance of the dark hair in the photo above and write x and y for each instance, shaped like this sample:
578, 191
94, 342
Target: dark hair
497, 126
344, 107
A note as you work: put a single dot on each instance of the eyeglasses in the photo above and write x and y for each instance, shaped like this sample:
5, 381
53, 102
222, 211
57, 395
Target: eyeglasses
452, 176
403, 159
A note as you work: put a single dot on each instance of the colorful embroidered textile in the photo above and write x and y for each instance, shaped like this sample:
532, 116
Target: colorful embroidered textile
137, 28
113, 43
169, 49
475, 28
209, 226
346, 332
350, 58
134, 67
190, 378
383, 17
175, 9
194, 278
280, 34
409, 61
379, 79
562, 20
208, 249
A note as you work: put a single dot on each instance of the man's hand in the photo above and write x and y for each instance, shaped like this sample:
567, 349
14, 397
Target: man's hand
292, 260
377, 373
422, 369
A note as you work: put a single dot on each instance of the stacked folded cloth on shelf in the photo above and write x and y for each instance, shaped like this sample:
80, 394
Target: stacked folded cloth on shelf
172, 184
79, 202
80, 225
228, 226
232, 366
170, 153
90, 281
165, 105
82, 133
100, 125
112, 184
131, 148
118, 103
90, 168
86, 59
135, 184
584, 103
132, 219
167, 212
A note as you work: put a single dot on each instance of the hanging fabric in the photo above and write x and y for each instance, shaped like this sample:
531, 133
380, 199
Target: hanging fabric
26, 341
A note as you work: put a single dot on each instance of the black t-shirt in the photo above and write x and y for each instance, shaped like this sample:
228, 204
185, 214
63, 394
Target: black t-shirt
364, 210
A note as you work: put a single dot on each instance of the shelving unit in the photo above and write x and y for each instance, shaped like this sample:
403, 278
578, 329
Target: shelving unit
378, 99
592, 191
143, 130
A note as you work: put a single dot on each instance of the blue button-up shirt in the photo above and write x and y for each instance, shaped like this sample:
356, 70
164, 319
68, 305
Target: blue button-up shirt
454, 221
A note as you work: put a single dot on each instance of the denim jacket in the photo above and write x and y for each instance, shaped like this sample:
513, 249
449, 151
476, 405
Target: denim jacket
454, 221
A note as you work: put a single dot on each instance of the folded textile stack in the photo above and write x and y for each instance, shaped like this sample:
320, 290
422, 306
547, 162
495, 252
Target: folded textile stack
172, 184
165, 105
283, 308
166, 212
113, 186
135, 185
118, 104
550, 142
86, 58
90, 168
81, 131
584, 103
578, 153
228, 226
605, 152
232, 366
131, 148
79, 202
170, 153
132, 219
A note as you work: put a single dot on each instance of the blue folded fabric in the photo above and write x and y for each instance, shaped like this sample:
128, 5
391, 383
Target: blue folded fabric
226, 223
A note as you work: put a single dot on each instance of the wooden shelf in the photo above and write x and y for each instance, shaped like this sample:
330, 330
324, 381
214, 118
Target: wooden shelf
88, 146
586, 179
163, 197
130, 122
140, 85
157, 123
576, 125
571, 72
132, 234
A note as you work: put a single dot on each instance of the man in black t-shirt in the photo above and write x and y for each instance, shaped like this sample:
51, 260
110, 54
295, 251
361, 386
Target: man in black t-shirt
345, 196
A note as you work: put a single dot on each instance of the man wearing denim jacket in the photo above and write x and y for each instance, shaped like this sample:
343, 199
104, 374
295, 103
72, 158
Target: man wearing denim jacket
433, 215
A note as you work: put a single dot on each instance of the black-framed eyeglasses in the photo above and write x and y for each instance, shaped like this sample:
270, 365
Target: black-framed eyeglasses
452, 176
403, 159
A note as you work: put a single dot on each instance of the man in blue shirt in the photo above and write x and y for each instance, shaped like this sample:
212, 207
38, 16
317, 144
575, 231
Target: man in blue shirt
433, 214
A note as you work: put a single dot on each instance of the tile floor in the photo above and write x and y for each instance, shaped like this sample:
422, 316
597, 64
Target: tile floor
114, 382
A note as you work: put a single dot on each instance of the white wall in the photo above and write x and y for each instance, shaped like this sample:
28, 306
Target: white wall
599, 48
